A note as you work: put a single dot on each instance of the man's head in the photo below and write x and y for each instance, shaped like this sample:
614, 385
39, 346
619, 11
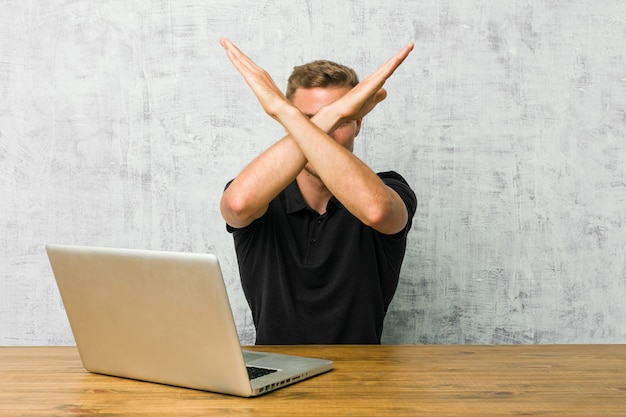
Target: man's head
322, 74
314, 85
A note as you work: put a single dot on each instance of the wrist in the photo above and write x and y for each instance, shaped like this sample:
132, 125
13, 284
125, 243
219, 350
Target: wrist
286, 111
327, 119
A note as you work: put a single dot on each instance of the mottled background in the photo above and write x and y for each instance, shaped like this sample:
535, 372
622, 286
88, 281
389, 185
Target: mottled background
121, 121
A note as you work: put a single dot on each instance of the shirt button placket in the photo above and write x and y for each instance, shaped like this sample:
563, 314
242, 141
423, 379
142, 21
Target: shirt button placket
315, 233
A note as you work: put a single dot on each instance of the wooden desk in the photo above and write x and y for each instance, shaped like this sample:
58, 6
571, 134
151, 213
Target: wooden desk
548, 380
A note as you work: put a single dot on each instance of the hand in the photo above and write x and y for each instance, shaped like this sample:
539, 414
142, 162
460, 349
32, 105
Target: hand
368, 93
354, 105
358, 188
264, 88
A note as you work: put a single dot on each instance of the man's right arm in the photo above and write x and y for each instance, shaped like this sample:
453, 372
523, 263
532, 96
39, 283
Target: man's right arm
248, 196
250, 193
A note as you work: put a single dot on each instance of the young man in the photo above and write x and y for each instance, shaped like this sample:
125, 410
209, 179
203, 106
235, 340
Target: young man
320, 237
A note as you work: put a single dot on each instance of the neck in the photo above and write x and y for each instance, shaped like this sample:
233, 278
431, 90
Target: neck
314, 191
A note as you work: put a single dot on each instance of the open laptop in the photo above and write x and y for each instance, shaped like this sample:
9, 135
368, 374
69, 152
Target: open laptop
164, 317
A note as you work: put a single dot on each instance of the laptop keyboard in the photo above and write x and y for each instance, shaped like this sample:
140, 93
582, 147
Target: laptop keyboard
256, 372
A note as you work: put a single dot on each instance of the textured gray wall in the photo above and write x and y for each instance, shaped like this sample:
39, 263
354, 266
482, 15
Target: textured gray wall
120, 122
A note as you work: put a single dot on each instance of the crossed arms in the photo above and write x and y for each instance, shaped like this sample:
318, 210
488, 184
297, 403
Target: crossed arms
345, 176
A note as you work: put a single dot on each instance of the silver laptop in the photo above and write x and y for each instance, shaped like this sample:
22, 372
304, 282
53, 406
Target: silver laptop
164, 317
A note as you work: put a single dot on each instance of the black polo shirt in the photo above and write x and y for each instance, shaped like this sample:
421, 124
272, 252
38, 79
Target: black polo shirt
311, 278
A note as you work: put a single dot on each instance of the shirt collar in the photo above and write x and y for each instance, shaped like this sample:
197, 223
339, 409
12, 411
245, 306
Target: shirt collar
294, 201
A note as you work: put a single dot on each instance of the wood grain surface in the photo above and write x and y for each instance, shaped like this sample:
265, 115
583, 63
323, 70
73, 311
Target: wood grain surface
416, 380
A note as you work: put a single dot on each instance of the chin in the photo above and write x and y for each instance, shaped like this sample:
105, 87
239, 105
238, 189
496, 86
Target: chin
311, 171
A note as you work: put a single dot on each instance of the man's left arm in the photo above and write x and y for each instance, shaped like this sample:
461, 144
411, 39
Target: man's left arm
350, 180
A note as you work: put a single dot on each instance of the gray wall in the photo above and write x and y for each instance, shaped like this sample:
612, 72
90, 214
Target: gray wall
120, 122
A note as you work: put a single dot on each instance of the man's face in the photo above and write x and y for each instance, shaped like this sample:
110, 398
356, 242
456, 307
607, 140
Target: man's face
310, 100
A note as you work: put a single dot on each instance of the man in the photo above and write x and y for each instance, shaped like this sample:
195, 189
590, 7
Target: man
320, 237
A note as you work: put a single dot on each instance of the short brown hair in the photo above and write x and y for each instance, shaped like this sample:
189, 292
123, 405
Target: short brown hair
320, 73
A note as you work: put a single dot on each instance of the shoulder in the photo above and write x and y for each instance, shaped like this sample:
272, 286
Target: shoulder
400, 185
391, 176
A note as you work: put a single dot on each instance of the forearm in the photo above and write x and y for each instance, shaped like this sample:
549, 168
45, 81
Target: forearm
350, 180
344, 175
250, 193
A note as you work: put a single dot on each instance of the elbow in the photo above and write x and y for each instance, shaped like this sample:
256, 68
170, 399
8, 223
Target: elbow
234, 210
386, 219
240, 209
375, 216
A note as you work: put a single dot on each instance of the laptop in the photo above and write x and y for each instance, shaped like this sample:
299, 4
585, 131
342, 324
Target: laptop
164, 317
